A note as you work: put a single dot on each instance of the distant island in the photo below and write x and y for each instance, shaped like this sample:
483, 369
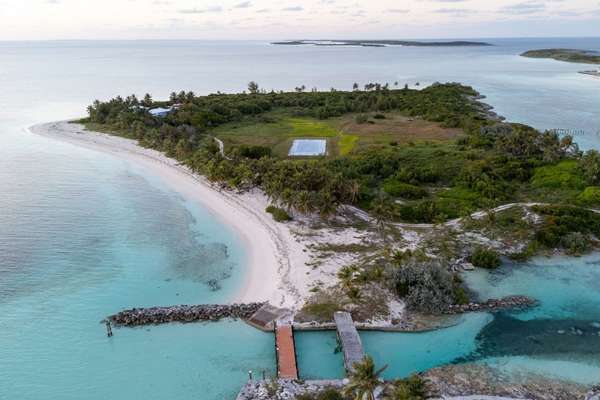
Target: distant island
379, 43
567, 55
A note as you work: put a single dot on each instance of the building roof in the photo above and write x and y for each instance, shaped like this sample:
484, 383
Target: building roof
160, 111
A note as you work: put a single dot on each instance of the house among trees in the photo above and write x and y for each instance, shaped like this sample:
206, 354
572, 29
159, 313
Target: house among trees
160, 112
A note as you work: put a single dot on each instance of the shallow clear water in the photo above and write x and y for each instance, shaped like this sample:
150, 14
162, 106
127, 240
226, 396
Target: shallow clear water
83, 234
560, 338
318, 356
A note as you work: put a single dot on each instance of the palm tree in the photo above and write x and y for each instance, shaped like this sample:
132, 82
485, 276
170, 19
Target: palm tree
364, 379
353, 191
253, 87
382, 210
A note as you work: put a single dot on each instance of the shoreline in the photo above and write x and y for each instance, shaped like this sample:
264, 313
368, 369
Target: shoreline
267, 244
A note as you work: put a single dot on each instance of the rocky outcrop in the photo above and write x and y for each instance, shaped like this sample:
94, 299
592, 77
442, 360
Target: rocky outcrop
280, 389
183, 313
506, 303
463, 381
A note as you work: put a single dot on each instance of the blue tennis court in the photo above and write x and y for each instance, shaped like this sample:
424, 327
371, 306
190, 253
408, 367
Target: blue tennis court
308, 147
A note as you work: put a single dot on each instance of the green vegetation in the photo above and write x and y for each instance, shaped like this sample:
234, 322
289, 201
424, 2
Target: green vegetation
347, 144
590, 196
570, 228
411, 388
564, 175
364, 379
404, 190
327, 394
425, 284
485, 258
460, 161
568, 55
279, 214
590, 167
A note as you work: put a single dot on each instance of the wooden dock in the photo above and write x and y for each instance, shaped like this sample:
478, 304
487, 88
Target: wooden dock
286, 352
349, 339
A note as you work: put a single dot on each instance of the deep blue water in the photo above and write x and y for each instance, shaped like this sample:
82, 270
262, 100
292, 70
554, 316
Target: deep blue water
84, 234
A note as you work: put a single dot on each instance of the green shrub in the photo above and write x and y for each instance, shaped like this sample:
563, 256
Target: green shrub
361, 119
330, 394
575, 243
564, 175
485, 258
460, 294
425, 285
254, 152
590, 196
411, 388
279, 214
327, 394
404, 190
590, 166
561, 221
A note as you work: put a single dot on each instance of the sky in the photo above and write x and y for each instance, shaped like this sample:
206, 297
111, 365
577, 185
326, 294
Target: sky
295, 19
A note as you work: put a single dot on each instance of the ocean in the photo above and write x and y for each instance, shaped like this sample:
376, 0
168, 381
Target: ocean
85, 234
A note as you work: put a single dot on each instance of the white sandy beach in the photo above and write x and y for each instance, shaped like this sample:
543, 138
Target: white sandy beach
270, 247
282, 263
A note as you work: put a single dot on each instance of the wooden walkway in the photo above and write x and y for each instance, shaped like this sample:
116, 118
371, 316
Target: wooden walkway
349, 339
286, 352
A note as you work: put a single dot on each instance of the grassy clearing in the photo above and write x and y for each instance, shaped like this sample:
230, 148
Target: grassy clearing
277, 129
309, 128
393, 128
346, 144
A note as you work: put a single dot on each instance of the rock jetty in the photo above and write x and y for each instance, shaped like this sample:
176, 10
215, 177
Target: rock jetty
506, 303
281, 389
183, 313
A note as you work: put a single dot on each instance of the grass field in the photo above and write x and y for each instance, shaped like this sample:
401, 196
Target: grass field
277, 130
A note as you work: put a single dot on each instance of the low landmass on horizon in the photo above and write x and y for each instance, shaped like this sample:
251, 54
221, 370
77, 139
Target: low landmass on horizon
567, 55
380, 43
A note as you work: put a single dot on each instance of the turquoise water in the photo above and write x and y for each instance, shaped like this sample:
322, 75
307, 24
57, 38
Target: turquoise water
318, 356
559, 338
83, 234
90, 241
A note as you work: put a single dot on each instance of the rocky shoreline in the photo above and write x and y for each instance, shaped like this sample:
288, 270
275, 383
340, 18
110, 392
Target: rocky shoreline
183, 313
492, 305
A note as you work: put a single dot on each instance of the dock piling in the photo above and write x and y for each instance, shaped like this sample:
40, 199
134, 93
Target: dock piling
285, 348
349, 340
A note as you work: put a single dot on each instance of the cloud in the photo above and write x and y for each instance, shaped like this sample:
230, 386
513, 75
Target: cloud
398, 10
212, 9
527, 7
454, 11
245, 4
293, 8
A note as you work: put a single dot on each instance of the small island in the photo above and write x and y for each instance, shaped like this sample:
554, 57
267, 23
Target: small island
567, 55
379, 43
365, 208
